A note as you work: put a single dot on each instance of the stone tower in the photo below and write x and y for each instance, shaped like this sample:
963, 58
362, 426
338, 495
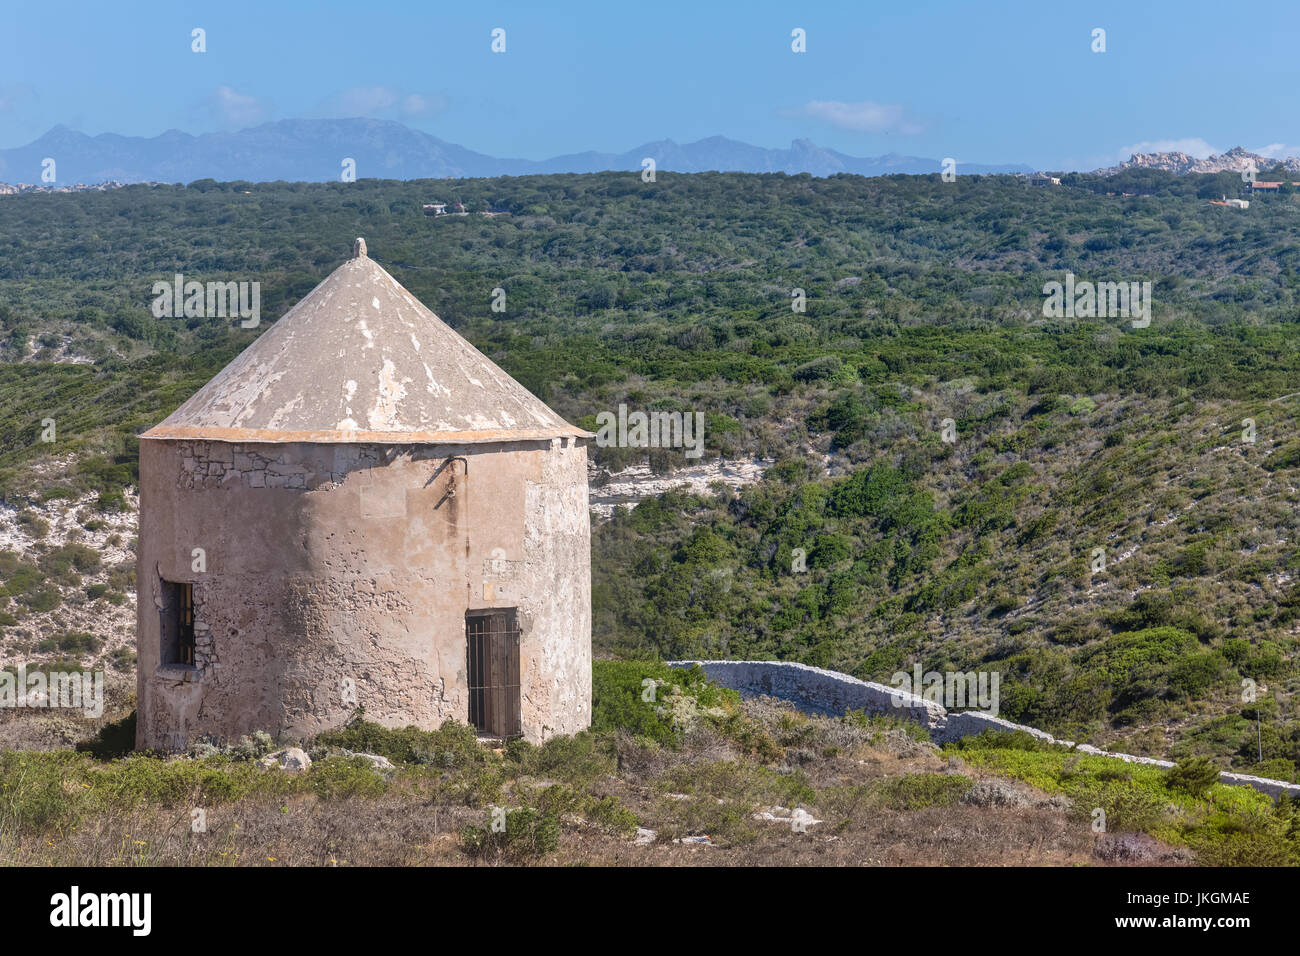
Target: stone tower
362, 510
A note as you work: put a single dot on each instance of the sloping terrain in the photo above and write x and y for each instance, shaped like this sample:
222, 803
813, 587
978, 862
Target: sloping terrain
694, 777
923, 303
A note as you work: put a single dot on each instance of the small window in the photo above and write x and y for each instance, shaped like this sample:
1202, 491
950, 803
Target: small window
177, 624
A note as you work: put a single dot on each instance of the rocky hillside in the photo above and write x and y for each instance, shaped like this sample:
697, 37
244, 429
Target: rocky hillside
1235, 160
1103, 513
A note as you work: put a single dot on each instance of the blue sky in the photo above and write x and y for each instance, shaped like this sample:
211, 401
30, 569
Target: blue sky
981, 82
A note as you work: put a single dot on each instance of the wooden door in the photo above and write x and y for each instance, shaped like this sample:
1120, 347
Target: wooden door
493, 668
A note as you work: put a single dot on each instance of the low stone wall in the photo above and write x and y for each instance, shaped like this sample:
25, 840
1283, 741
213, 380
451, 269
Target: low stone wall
830, 693
816, 690
968, 723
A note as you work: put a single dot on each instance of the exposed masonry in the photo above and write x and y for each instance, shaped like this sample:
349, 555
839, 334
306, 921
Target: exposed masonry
205, 649
826, 692
263, 465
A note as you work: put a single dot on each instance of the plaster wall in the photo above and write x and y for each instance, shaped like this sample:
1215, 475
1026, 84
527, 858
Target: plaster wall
333, 570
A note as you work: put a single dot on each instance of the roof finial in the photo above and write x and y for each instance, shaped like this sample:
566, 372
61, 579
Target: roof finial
359, 248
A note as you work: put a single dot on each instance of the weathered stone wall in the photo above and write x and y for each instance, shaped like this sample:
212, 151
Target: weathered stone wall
334, 563
214, 464
817, 690
826, 692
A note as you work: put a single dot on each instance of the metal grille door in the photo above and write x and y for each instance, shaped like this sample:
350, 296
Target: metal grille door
493, 662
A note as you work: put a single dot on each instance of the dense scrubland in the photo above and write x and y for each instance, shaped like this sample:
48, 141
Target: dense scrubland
924, 303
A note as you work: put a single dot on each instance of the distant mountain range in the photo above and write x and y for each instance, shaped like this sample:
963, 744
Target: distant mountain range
1235, 160
307, 150
314, 151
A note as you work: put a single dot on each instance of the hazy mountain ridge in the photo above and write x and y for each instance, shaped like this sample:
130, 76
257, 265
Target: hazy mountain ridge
314, 151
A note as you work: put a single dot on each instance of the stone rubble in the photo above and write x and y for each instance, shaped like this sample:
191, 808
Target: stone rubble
291, 758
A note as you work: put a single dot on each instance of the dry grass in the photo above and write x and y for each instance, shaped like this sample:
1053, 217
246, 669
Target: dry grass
883, 797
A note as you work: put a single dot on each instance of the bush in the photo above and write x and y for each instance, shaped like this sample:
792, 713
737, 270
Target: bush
1127, 805
1003, 740
451, 745
605, 813
77, 643
336, 777
578, 759
1193, 776
915, 791
32, 791
818, 368
618, 689
1275, 768
45, 598
524, 834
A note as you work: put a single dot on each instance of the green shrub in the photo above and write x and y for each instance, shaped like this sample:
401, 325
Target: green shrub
577, 759
605, 813
526, 834
77, 643
1128, 805
1276, 768
1237, 839
618, 689
336, 777
1002, 740
915, 791
819, 368
32, 792
45, 598
33, 524
147, 781
452, 745
1193, 776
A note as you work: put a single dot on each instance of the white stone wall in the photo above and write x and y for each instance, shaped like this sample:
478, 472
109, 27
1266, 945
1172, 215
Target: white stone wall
820, 691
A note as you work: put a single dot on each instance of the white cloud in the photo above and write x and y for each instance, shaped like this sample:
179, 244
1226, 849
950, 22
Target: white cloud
1278, 151
380, 101
1192, 146
11, 97
864, 117
416, 104
236, 109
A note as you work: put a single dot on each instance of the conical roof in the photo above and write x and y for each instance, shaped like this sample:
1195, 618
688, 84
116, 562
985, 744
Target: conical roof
360, 359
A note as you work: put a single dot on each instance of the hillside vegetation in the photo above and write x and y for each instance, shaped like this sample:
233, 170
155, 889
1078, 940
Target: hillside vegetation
924, 303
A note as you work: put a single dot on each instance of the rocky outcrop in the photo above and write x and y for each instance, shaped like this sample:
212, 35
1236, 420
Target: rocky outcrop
291, 758
1235, 160
13, 189
631, 485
